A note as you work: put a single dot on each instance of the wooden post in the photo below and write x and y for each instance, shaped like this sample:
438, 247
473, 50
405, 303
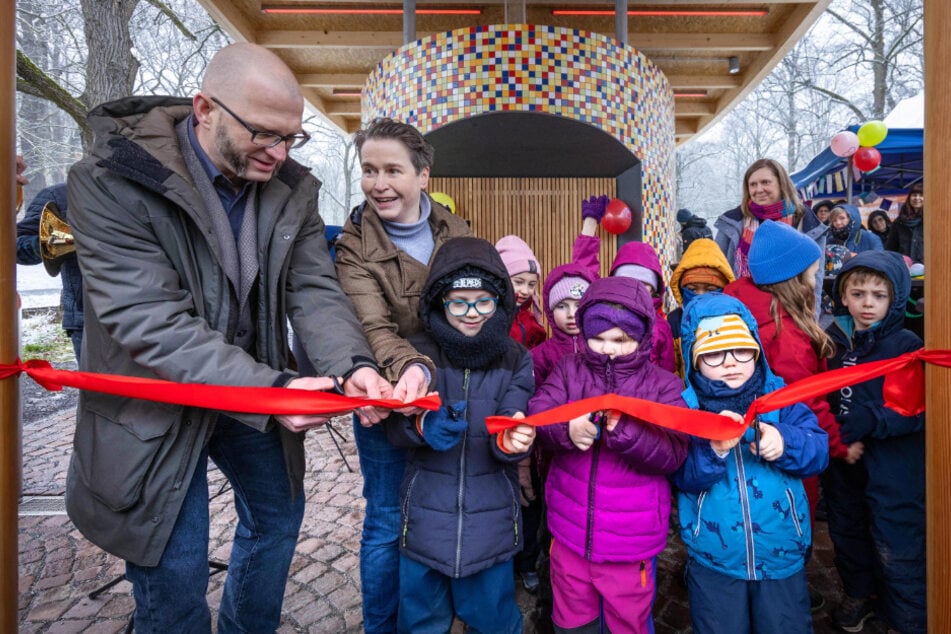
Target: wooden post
9, 387
937, 333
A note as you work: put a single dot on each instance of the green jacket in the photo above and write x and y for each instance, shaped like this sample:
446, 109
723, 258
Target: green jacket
384, 283
158, 307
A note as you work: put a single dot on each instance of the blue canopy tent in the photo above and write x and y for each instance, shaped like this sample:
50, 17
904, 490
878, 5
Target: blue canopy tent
827, 175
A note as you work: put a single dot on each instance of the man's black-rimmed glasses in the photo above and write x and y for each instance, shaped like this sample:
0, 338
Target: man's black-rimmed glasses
267, 139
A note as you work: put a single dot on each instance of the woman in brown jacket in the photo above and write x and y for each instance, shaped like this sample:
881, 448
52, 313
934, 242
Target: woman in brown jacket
383, 258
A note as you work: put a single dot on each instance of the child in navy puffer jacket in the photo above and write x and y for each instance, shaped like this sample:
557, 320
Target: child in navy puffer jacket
876, 504
743, 511
607, 494
459, 505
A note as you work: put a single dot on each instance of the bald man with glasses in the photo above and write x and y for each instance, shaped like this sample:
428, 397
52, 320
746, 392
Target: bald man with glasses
199, 239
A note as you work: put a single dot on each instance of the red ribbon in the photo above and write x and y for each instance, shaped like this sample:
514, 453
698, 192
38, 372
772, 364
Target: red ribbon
249, 400
903, 390
689, 421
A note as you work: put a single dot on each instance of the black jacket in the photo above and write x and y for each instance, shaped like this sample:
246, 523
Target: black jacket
460, 509
860, 409
693, 229
907, 236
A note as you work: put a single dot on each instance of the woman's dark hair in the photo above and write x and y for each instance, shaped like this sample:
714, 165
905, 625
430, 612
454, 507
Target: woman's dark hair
916, 188
420, 151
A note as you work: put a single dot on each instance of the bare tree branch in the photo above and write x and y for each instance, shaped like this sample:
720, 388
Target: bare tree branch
167, 11
33, 81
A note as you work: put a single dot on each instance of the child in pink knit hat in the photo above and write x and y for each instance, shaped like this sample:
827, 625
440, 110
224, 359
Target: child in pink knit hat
524, 271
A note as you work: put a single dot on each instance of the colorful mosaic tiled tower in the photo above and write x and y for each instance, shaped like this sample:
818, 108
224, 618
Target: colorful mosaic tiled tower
517, 67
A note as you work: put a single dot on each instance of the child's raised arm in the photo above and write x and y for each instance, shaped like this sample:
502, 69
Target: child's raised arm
587, 244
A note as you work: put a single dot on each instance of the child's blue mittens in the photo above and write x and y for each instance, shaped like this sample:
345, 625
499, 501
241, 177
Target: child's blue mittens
444, 428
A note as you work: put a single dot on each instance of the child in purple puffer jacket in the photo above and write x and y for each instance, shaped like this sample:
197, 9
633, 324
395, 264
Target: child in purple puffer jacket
607, 494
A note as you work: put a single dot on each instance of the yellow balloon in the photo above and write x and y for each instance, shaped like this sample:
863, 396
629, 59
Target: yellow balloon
872, 133
445, 200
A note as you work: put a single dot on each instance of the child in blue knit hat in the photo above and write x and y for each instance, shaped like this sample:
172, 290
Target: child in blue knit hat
742, 506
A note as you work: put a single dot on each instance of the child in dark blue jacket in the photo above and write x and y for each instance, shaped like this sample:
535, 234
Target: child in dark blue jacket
743, 511
459, 500
876, 505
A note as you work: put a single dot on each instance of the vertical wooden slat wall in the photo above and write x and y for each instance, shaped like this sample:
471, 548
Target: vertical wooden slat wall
545, 212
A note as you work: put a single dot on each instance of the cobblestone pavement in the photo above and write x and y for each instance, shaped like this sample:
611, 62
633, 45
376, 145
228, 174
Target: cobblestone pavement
58, 568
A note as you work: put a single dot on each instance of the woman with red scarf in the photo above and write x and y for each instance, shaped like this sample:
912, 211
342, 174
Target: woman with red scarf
768, 194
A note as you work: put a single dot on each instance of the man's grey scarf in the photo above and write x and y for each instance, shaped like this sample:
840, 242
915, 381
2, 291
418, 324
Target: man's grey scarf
239, 261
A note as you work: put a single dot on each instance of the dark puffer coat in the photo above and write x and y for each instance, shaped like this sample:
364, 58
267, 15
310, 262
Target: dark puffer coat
460, 509
891, 513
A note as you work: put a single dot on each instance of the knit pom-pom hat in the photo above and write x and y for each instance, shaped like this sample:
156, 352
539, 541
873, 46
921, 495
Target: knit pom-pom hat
779, 253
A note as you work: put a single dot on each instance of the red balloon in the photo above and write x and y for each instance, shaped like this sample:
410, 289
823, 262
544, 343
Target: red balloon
617, 217
867, 158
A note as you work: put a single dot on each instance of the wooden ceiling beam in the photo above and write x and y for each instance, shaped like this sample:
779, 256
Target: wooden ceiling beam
389, 40
332, 80
344, 109
702, 42
230, 19
694, 108
704, 81
315, 100
715, 42
685, 127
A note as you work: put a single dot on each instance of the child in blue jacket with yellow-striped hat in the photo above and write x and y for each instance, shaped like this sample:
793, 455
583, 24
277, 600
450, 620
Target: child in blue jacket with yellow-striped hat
743, 512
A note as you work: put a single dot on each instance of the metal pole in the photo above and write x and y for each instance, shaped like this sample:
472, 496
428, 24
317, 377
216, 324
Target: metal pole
9, 388
409, 21
620, 21
937, 334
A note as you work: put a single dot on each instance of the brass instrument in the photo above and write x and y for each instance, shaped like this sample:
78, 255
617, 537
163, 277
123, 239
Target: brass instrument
56, 239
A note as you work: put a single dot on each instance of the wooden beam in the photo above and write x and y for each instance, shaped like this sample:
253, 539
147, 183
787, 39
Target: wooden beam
318, 104
694, 108
702, 42
723, 82
332, 80
10, 436
344, 109
230, 19
937, 334
392, 40
685, 127
388, 40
